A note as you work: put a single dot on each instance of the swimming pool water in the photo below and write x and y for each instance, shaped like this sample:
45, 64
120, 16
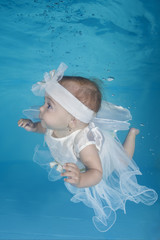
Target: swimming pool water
117, 39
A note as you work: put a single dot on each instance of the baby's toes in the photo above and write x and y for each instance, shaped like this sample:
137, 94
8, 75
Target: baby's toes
134, 131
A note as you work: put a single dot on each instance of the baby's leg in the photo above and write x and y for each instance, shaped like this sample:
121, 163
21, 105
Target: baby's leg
129, 143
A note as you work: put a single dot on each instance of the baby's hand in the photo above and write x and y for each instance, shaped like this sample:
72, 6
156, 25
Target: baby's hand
72, 172
27, 124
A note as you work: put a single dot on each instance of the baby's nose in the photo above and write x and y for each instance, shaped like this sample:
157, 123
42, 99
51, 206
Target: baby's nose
41, 112
41, 109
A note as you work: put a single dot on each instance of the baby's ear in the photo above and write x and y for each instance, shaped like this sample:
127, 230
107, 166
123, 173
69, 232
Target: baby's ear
73, 122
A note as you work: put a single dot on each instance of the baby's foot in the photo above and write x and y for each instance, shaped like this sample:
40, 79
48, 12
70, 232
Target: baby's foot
134, 131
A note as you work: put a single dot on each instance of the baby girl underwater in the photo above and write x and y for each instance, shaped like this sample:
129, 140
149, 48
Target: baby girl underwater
81, 145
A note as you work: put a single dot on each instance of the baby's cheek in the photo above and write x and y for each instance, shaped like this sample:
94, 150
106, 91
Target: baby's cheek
43, 124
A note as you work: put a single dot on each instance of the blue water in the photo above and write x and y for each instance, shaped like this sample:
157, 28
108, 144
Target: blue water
101, 39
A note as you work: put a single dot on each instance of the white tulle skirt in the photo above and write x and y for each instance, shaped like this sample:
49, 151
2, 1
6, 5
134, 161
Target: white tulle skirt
118, 185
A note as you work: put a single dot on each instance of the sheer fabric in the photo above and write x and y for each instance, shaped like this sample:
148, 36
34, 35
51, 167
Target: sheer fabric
118, 184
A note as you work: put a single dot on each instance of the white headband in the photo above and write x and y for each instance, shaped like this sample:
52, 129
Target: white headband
60, 94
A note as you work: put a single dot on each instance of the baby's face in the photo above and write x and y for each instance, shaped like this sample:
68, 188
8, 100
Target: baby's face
53, 115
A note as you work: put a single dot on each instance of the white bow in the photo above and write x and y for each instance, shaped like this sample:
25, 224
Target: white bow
53, 76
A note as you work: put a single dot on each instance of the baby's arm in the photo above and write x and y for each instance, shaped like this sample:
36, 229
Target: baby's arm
90, 158
30, 126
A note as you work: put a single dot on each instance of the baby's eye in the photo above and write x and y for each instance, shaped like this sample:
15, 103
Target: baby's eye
49, 105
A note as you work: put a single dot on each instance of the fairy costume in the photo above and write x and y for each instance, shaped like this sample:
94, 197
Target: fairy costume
118, 183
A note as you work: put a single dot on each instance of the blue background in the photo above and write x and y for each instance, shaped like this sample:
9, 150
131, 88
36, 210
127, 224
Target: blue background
96, 39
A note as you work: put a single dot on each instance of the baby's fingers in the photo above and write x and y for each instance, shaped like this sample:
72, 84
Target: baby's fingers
71, 180
71, 167
20, 122
71, 177
26, 123
72, 173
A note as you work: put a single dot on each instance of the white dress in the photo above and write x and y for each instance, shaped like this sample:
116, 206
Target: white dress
118, 184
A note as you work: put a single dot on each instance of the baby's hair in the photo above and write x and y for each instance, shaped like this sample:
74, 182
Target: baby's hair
84, 90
